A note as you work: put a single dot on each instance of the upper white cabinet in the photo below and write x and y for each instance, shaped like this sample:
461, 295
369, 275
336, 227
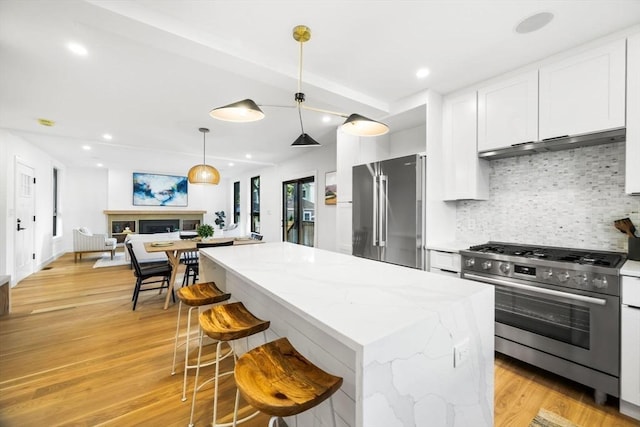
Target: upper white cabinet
466, 176
632, 181
508, 112
583, 93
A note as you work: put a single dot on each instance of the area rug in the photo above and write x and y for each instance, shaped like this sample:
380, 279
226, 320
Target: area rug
106, 261
550, 419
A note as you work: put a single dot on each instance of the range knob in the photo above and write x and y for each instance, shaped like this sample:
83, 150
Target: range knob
470, 262
581, 279
486, 265
505, 267
600, 282
547, 274
563, 277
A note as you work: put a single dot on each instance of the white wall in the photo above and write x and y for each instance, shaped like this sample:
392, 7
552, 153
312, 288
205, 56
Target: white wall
313, 161
407, 141
201, 196
85, 191
45, 246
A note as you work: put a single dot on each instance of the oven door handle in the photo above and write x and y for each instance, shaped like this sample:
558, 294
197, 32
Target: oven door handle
575, 297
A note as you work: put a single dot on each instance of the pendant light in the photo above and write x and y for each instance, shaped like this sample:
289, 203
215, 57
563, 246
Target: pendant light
248, 111
204, 174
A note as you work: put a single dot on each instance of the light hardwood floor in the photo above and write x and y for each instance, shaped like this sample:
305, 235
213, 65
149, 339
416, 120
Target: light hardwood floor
73, 353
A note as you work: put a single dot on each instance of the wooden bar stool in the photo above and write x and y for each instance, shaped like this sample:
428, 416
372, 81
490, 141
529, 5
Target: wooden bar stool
225, 323
277, 380
194, 296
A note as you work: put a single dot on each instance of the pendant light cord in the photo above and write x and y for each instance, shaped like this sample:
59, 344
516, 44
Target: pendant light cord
300, 100
204, 148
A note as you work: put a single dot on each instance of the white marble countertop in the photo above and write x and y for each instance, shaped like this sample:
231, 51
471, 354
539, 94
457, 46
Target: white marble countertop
359, 299
631, 268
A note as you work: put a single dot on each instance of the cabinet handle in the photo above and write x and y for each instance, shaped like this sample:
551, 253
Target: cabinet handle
555, 137
522, 143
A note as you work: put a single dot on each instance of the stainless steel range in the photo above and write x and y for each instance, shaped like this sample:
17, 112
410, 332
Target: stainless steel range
556, 308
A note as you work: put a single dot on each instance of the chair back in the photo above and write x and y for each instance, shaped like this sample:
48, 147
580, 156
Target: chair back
189, 257
136, 265
213, 245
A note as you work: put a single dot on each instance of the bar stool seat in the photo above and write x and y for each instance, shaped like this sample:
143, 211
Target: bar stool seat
276, 379
194, 296
225, 323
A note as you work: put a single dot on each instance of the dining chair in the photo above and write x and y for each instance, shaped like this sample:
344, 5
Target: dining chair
144, 275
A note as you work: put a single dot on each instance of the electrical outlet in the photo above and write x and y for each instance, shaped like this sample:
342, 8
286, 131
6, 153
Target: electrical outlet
461, 353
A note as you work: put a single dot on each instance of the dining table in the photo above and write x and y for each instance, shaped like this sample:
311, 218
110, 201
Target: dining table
175, 248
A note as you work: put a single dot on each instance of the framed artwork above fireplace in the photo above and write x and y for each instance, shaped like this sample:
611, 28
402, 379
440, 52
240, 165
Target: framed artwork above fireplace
159, 190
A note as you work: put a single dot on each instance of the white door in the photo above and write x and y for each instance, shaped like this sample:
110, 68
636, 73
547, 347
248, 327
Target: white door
24, 225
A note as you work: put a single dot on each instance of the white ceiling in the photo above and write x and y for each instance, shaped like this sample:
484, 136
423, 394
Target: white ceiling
156, 68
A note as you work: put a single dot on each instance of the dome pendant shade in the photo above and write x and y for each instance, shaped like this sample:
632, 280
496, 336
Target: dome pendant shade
305, 140
363, 126
204, 174
241, 112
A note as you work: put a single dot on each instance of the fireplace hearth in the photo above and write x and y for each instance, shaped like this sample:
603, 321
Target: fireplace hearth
148, 226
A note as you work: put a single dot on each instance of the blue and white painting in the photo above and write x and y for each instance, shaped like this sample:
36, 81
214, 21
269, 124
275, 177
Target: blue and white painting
159, 190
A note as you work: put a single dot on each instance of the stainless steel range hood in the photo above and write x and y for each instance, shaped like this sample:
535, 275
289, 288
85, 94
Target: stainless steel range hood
556, 144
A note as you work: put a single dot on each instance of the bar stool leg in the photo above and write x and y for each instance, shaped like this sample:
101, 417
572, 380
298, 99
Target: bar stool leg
186, 355
195, 384
175, 342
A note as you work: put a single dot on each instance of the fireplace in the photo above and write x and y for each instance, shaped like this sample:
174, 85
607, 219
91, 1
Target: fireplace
148, 226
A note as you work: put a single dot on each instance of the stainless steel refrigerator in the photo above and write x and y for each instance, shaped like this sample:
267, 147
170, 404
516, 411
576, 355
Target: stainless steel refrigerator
388, 211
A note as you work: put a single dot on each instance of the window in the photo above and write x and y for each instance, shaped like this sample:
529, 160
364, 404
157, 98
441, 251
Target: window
255, 204
299, 212
236, 202
55, 202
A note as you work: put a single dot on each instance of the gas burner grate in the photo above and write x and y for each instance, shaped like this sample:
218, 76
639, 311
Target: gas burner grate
591, 259
575, 256
492, 249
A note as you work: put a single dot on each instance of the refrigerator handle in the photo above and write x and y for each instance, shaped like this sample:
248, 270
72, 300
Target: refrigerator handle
382, 199
375, 211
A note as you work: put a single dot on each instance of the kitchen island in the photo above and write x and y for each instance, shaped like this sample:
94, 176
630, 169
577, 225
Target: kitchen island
389, 331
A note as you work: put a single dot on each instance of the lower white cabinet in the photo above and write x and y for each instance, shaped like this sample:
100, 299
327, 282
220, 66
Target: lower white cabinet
630, 347
447, 263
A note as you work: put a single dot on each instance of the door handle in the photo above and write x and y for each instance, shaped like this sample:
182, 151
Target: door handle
19, 228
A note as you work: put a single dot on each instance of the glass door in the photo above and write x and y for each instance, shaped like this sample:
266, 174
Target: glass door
299, 210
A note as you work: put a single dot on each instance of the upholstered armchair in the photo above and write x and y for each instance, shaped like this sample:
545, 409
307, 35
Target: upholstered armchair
84, 241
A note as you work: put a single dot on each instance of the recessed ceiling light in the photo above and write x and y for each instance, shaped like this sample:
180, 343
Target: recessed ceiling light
107, 136
534, 22
230, 164
326, 119
248, 156
86, 147
99, 165
78, 49
422, 73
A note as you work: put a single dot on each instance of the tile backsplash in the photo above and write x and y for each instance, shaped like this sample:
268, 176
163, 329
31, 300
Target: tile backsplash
566, 198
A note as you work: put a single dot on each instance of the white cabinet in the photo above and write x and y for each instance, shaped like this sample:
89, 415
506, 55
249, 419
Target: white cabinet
583, 93
447, 263
632, 171
630, 347
508, 112
466, 176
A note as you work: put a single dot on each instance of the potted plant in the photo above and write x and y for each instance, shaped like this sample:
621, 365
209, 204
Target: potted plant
205, 231
220, 218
